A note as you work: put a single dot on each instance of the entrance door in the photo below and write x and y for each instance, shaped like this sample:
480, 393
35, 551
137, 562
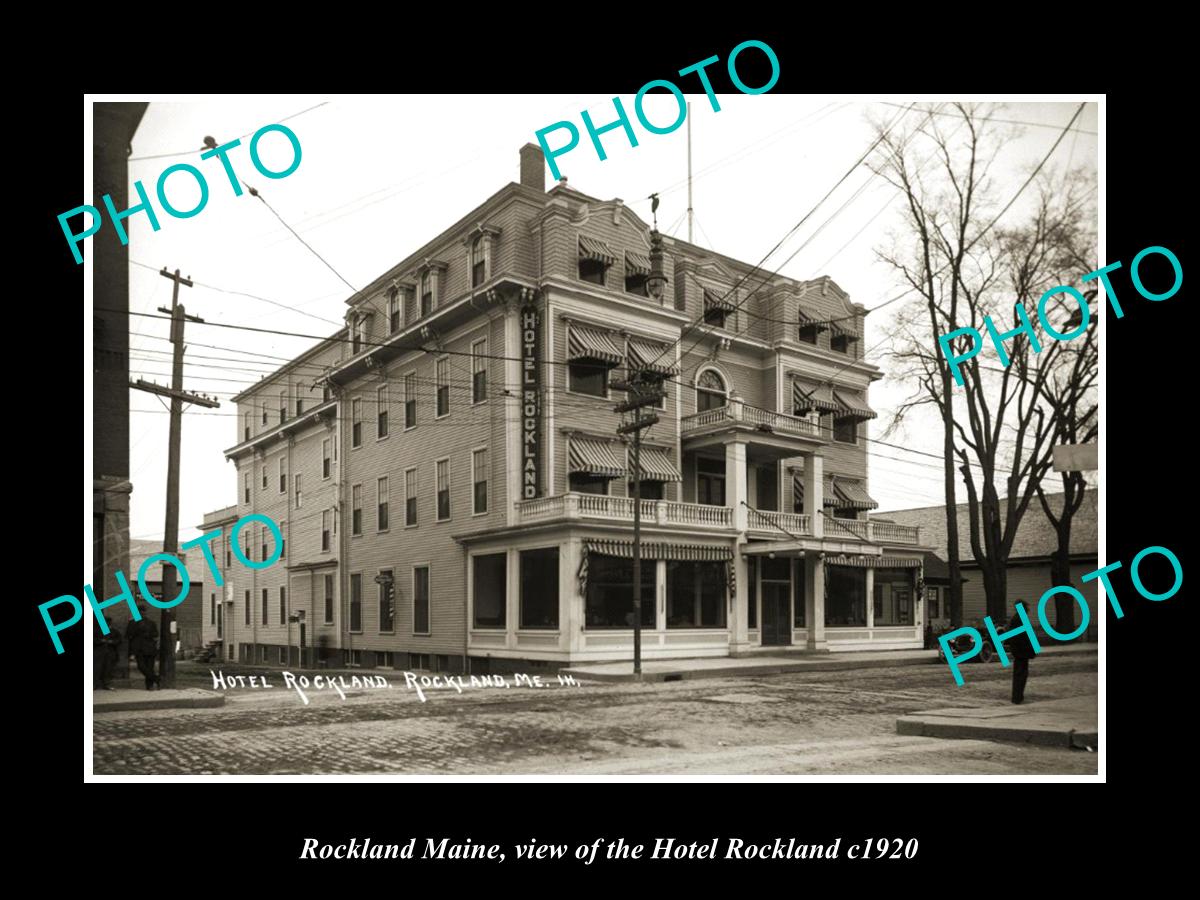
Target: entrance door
776, 614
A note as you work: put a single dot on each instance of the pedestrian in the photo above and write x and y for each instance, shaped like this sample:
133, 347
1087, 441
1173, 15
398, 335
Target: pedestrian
1022, 652
142, 637
108, 649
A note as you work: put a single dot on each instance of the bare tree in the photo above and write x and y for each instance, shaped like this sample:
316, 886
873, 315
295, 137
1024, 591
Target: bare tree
998, 426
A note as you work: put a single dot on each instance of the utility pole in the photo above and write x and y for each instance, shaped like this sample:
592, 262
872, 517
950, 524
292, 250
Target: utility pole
166, 630
689, 139
640, 394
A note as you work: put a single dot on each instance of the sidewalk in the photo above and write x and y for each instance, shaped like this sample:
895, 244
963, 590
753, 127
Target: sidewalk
725, 666
1058, 723
137, 698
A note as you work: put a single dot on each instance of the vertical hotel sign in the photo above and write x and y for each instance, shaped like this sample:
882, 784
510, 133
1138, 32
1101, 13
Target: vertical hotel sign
530, 393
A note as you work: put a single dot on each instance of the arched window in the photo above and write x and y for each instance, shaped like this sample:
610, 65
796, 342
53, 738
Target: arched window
710, 391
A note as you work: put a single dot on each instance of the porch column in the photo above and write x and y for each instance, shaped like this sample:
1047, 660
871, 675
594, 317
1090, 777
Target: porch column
570, 601
871, 598
814, 492
739, 638
814, 597
735, 481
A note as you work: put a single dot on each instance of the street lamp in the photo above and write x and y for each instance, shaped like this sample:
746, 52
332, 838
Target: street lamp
658, 278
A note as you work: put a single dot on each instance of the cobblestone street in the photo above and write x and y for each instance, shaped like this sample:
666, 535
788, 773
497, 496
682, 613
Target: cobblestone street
816, 723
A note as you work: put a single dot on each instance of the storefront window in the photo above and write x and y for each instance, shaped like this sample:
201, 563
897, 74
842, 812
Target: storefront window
695, 594
610, 592
751, 597
488, 590
539, 588
798, 595
846, 597
894, 596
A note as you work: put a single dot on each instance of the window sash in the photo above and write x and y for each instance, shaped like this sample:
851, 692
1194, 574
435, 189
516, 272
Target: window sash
421, 600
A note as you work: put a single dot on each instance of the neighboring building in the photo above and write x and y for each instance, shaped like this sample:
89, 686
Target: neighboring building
218, 599
450, 484
1029, 561
187, 615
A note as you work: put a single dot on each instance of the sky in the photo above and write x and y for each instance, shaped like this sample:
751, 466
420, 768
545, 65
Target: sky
381, 175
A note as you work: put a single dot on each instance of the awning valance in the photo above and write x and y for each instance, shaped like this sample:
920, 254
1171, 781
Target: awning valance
852, 494
593, 344
590, 248
807, 320
715, 301
656, 465
652, 550
636, 263
853, 406
652, 357
845, 328
874, 562
593, 456
809, 395
830, 497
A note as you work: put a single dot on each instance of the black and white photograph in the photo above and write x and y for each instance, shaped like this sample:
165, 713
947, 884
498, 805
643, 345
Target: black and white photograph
688, 433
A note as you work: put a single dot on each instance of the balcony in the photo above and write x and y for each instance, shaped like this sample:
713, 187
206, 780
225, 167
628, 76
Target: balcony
765, 428
620, 509
872, 532
777, 525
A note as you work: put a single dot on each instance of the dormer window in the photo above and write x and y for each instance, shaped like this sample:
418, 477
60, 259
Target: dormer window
594, 259
637, 273
478, 262
395, 309
839, 343
717, 309
426, 292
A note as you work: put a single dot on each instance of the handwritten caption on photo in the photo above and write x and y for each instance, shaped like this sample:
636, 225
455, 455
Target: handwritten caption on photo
320, 682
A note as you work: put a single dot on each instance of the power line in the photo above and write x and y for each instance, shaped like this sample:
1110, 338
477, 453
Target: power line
202, 149
1008, 121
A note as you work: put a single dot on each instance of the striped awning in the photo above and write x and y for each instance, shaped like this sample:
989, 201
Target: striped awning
652, 357
874, 562
829, 495
845, 328
853, 406
636, 263
658, 550
593, 344
809, 395
852, 494
713, 301
809, 320
593, 456
656, 465
590, 248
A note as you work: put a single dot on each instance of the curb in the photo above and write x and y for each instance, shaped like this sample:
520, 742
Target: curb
765, 669
1023, 734
201, 701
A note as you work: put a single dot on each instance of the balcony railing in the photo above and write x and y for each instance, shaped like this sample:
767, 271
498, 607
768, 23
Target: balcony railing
779, 525
599, 506
872, 532
735, 413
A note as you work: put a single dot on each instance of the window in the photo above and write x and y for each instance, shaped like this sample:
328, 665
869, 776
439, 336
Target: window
356, 423
283, 606
418, 661
381, 403
710, 391
845, 431
246, 426
394, 311
262, 533
212, 609
262, 653
299, 491
592, 270
354, 657
637, 283
356, 602
383, 659
282, 406
893, 596
264, 413
479, 479
356, 509
264, 478
387, 606
539, 588
421, 600
695, 594
488, 589
442, 368
478, 262
328, 599
715, 315
650, 490
355, 336
247, 609
845, 596
283, 474
798, 600
479, 371
585, 483
325, 461
443, 489
410, 497
768, 488
266, 613
410, 400
588, 378
840, 343
710, 481
751, 596
284, 652
299, 405
326, 393
426, 293
246, 486
609, 602
933, 602
326, 515
382, 501
807, 334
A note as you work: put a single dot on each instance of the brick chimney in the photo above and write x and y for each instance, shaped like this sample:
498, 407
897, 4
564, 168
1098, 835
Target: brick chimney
533, 167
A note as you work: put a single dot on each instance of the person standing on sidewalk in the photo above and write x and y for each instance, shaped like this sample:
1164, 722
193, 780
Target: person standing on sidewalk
1022, 652
142, 637
108, 649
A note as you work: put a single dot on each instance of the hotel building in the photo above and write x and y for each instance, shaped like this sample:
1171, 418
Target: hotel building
453, 493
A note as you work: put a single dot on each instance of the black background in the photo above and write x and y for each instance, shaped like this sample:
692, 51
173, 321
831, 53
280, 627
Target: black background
974, 836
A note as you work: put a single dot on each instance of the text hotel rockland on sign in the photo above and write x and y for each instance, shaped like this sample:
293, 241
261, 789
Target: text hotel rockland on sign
168, 559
